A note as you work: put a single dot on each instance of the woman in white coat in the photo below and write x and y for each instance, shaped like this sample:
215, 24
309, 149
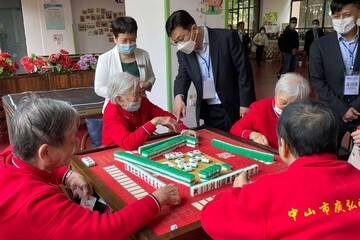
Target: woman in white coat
124, 57
260, 40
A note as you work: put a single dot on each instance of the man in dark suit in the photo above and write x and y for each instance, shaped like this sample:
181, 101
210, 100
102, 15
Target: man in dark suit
334, 61
214, 60
244, 37
312, 34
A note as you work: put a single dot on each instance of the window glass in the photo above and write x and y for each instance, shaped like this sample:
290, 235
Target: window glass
12, 33
308, 10
246, 11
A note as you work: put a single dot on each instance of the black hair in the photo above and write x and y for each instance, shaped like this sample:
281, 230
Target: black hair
293, 18
262, 28
124, 25
337, 5
308, 127
316, 20
180, 18
238, 24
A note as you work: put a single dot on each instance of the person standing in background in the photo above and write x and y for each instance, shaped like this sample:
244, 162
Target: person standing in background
243, 35
261, 40
335, 65
124, 57
312, 35
214, 61
289, 44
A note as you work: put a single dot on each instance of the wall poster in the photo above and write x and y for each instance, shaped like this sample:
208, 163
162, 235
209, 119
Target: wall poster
54, 16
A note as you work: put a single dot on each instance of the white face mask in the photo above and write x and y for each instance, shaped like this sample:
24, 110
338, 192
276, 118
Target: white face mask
292, 25
277, 110
262, 31
187, 47
344, 25
315, 26
132, 106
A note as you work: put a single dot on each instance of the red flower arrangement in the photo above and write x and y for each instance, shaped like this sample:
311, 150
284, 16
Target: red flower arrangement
34, 64
56, 63
8, 67
61, 62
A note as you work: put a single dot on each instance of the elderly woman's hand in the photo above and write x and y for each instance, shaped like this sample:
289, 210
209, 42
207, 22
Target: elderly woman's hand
167, 122
76, 180
168, 194
189, 132
259, 138
241, 180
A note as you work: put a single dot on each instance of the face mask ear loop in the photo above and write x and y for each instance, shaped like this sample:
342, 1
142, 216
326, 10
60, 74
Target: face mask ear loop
191, 32
135, 84
196, 34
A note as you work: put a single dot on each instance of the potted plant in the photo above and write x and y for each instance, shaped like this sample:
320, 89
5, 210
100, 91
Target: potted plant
8, 67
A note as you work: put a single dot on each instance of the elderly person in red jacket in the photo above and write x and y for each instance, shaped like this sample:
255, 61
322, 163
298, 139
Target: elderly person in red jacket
316, 198
130, 119
259, 124
32, 204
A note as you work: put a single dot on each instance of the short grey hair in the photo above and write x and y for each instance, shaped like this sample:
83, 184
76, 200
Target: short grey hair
121, 84
39, 121
293, 85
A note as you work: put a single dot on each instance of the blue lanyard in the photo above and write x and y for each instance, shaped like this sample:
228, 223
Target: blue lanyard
207, 63
351, 52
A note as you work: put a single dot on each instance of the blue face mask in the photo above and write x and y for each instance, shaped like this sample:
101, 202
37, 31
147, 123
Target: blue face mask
127, 49
132, 106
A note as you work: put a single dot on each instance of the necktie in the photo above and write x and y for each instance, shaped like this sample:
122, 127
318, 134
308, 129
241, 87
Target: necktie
316, 35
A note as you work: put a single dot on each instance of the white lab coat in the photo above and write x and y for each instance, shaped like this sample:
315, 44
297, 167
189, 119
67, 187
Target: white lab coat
109, 64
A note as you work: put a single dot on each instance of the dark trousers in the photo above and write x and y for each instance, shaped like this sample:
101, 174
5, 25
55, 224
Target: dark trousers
259, 53
215, 116
289, 64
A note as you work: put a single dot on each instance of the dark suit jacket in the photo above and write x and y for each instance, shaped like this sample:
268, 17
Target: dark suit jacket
245, 42
309, 38
231, 69
327, 73
288, 40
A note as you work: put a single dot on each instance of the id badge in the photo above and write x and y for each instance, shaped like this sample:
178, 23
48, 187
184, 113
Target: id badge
351, 85
208, 89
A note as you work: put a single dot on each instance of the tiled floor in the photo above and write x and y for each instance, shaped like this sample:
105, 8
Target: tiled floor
265, 78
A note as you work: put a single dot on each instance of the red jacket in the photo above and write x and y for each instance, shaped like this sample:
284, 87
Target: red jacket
318, 197
33, 207
130, 130
261, 118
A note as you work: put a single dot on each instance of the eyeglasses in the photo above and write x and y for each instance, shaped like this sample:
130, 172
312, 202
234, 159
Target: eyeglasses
173, 43
181, 39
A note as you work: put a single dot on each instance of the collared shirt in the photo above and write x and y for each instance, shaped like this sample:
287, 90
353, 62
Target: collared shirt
241, 36
348, 50
204, 60
316, 34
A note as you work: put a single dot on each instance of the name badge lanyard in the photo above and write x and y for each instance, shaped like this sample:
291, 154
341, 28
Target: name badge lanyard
351, 52
207, 64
